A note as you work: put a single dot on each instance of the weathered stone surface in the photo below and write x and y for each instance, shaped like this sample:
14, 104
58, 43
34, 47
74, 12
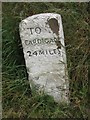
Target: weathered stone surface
44, 51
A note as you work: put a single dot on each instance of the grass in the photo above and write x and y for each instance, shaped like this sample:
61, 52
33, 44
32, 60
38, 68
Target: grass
18, 100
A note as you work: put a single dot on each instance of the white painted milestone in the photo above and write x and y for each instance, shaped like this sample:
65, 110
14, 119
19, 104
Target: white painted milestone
44, 52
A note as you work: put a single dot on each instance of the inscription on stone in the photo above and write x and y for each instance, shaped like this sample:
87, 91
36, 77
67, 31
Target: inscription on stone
44, 52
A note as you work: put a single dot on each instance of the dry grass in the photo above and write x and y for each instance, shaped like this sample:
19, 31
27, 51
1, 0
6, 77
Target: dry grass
18, 101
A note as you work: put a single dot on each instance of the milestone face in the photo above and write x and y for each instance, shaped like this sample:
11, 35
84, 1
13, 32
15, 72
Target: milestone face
44, 51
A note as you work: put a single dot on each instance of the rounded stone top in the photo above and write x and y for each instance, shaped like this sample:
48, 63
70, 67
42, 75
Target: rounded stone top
43, 15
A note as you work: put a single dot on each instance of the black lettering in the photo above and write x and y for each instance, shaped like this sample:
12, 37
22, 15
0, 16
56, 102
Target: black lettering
43, 41
29, 53
35, 53
27, 42
55, 39
30, 42
52, 40
54, 51
59, 52
39, 41
31, 30
50, 52
41, 52
34, 41
38, 30
47, 40
46, 52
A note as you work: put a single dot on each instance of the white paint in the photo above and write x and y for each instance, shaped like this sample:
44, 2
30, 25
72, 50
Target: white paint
46, 71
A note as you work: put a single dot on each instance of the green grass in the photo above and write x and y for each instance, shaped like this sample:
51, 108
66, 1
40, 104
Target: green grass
18, 100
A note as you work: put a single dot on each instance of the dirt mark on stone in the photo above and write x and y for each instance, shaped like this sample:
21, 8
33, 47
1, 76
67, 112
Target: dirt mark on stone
53, 23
